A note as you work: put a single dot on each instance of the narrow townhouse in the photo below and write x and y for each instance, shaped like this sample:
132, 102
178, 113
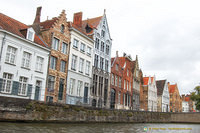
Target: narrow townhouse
127, 82
150, 94
163, 96
185, 104
175, 99
116, 83
55, 33
23, 60
79, 80
142, 98
98, 29
136, 84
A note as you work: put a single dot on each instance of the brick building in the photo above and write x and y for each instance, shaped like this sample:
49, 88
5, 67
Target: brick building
56, 33
175, 99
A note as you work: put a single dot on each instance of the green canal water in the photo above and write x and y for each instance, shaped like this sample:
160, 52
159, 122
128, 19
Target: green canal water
98, 128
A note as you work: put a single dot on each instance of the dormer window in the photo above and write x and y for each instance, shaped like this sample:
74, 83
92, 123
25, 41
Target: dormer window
62, 28
30, 34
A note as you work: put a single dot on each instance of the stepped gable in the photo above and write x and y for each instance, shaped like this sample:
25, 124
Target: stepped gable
11, 25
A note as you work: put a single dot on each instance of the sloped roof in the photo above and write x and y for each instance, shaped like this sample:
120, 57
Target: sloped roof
160, 86
146, 80
48, 23
11, 25
172, 88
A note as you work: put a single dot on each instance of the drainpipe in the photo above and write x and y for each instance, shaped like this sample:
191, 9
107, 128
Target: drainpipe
3, 42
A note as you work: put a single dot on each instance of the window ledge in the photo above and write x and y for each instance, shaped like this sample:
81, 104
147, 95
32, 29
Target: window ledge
26, 68
10, 63
38, 71
82, 51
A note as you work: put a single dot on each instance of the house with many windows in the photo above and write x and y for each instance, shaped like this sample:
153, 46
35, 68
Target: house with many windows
23, 60
150, 94
98, 29
163, 96
79, 77
55, 33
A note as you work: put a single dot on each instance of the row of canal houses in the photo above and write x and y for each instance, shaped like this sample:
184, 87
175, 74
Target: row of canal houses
70, 63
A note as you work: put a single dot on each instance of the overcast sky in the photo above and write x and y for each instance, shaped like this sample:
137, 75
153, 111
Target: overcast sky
165, 34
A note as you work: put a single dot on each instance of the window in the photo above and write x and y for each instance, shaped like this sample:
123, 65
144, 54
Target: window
38, 87
100, 86
7, 83
105, 91
116, 67
119, 97
112, 80
102, 46
102, 33
107, 49
89, 50
75, 44
26, 60
30, 35
116, 80
97, 43
74, 60
62, 66
101, 62
81, 64
51, 81
61, 89
71, 86
39, 64
96, 60
79, 86
23, 84
127, 85
53, 62
82, 47
64, 48
120, 82
106, 65
124, 84
87, 70
94, 90
62, 28
127, 72
55, 44
11, 54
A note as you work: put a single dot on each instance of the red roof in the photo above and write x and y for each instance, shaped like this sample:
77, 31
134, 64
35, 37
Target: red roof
172, 88
146, 80
187, 99
93, 22
11, 25
48, 23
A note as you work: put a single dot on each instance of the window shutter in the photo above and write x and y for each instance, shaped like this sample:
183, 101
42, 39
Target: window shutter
29, 90
1, 84
15, 88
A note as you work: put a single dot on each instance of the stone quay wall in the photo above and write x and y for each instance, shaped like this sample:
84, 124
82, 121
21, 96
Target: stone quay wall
21, 110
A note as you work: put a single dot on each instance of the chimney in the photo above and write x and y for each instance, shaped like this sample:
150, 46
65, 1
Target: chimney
117, 54
78, 19
38, 14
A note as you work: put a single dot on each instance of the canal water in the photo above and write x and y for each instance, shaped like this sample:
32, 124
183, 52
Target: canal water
98, 128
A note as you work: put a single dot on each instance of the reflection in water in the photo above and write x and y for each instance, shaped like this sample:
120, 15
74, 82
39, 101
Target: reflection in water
97, 128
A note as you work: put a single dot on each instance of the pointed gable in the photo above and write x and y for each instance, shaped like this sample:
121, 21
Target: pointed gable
48, 23
145, 80
160, 86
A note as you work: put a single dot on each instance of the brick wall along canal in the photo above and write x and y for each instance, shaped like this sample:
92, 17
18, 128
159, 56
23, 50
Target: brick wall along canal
97, 128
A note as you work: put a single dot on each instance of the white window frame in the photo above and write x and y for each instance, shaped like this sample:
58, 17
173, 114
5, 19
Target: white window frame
75, 43
63, 66
87, 69
55, 43
26, 60
82, 47
11, 55
7, 83
79, 87
71, 86
39, 64
89, 50
64, 48
74, 61
23, 85
53, 62
81, 65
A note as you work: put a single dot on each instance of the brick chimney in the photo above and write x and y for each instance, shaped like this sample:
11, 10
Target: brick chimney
78, 19
117, 54
37, 16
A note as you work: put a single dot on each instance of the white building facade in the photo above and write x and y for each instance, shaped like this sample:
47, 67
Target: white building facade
165, 99
102, 64
185, 106
79, 68
152, 94
23, 62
